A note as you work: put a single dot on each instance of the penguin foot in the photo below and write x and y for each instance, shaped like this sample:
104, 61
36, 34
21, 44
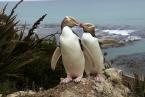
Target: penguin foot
66, 80
99, 78
78, 79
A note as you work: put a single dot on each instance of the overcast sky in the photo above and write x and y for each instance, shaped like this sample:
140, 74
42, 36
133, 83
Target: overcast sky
26, 0
116, 12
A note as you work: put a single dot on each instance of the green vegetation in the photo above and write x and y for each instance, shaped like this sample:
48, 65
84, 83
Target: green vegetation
25, 60
139, 85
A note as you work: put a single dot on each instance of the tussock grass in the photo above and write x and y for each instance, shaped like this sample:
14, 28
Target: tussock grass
25, 60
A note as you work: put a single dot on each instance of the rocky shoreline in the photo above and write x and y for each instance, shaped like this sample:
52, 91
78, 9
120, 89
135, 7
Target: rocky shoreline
134, 63
102, 32
126, 62
137, 34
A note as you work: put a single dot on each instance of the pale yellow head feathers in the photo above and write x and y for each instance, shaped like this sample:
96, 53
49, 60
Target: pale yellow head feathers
69, 21
88, 28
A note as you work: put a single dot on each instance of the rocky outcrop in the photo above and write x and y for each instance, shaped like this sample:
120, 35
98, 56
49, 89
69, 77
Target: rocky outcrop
111, 42
21, 93
88, 87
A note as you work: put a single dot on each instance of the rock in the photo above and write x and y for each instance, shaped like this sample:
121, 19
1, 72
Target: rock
68, 93
114, 75
88, 87
21, 93
130, 63
111, 42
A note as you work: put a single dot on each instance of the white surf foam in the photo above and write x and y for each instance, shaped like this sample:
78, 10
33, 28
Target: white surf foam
119, 32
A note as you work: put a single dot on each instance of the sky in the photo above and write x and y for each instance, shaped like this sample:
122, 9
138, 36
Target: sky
117, 12
25, 0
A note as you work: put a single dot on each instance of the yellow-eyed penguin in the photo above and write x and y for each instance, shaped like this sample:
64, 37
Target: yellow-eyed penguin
94, 61
70, 50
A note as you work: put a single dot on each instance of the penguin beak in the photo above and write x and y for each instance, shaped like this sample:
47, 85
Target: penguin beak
81, 25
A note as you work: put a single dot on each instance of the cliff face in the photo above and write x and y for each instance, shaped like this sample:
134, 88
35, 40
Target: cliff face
88, 87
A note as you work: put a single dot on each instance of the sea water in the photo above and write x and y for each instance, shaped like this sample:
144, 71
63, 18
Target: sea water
135, 47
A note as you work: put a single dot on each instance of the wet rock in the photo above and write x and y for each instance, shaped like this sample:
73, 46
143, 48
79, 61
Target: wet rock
131, 63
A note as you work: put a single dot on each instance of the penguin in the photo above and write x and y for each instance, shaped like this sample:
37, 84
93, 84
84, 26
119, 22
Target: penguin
94, 61
70, 50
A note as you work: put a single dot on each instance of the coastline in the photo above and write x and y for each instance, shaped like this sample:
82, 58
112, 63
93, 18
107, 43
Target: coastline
130, 64
125, 43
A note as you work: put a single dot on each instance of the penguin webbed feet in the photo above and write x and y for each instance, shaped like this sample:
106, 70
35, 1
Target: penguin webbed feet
67, 79
96, 76
78, 79
70, 78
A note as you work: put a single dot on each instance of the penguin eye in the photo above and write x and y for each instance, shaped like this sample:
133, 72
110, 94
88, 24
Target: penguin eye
87, 26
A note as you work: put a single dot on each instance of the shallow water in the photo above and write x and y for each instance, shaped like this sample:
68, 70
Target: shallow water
135, 47
131, 49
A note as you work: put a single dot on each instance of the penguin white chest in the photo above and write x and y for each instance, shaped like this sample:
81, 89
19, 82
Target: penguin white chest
95, 63
70, 47
72, 55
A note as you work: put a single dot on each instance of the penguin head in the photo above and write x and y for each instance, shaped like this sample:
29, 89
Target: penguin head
69, 21
88, 28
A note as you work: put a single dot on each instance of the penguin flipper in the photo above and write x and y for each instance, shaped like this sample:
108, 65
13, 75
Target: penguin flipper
55, 57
